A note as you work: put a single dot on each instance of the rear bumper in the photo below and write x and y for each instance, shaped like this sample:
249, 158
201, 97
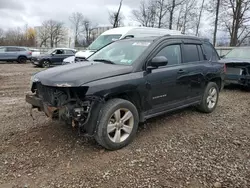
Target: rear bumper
238, 79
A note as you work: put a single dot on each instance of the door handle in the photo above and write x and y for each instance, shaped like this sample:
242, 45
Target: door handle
181, 71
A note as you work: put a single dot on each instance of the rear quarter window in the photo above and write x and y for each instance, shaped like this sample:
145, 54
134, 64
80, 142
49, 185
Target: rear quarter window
210, 52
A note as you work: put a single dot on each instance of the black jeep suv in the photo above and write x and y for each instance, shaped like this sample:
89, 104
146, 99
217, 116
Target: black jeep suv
130, 81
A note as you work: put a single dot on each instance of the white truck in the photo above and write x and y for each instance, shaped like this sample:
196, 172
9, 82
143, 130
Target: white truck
117, 34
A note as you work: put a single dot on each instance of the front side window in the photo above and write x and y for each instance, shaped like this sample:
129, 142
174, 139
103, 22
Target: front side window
102, 41
58, 52
172, 53
22, 49
121, 52
191, 53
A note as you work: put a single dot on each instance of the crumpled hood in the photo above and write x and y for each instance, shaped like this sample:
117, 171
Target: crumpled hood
234, 60
77, 74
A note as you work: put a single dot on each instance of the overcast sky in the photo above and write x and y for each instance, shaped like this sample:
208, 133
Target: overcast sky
32, 12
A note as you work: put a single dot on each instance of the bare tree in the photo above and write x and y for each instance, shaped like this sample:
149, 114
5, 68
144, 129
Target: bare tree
189, 14
77, 20
162, 9
236, 20
51, 32
146, 14
115, 17
88, 28
112, 19
43, 35
199, 18
172, 5
218, 2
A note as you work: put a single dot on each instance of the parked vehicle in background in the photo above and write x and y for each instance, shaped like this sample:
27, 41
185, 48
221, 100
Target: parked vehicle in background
15, 53
35, 52
237, 64
53, 57
121, 33
130, 81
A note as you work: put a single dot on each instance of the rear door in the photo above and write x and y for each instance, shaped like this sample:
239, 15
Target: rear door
194, 69
11, 53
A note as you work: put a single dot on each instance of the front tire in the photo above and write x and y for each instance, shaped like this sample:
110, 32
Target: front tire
118, 124
46, 64
210, 98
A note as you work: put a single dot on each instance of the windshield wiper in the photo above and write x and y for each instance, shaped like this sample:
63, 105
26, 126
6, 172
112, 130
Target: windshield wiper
104, 61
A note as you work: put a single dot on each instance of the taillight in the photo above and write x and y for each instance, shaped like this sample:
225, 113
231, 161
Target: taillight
30, 53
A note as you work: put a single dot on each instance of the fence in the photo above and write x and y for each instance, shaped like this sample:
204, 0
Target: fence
43, 50
221, 50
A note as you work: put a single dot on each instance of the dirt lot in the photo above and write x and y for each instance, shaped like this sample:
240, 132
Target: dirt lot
182, 149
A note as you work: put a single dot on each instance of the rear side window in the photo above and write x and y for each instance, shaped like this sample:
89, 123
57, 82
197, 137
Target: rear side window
22, 49
69, 52
210, 52
191, 53
12, 49
172, 53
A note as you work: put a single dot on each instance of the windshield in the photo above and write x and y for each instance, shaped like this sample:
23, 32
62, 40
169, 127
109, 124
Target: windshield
103, 40
243, 53
122, 52
50, 51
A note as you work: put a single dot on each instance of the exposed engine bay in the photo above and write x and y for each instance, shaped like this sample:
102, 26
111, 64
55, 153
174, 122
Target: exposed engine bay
66, 104
238, 73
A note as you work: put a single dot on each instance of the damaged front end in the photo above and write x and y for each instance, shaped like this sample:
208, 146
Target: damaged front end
68, 104
238, 73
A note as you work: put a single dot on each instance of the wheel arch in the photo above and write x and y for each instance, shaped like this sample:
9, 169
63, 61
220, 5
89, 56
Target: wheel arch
131, 96
218, 81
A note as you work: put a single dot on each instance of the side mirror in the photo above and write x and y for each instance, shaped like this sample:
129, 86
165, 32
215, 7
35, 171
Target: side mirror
222, 56
158, 61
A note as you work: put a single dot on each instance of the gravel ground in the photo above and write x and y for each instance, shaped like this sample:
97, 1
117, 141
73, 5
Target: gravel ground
181, 149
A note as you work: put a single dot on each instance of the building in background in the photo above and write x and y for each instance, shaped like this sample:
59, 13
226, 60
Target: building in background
97, 31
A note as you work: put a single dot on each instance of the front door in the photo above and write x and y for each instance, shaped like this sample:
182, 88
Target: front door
58, 57
166, 91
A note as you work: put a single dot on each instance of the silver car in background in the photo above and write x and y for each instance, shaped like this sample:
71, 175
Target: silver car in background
15, 53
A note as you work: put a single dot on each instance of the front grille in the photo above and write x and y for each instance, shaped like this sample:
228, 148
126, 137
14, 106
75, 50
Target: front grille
52, 95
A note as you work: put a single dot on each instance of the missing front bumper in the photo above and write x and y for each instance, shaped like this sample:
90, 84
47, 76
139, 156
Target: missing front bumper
35, 101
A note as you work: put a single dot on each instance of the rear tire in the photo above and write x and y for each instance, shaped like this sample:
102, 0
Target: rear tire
118, 124
210, 98
22, 60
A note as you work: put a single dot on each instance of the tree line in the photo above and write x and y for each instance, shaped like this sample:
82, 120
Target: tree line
228, 16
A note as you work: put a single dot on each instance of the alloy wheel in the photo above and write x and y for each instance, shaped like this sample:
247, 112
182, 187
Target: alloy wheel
120, 125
